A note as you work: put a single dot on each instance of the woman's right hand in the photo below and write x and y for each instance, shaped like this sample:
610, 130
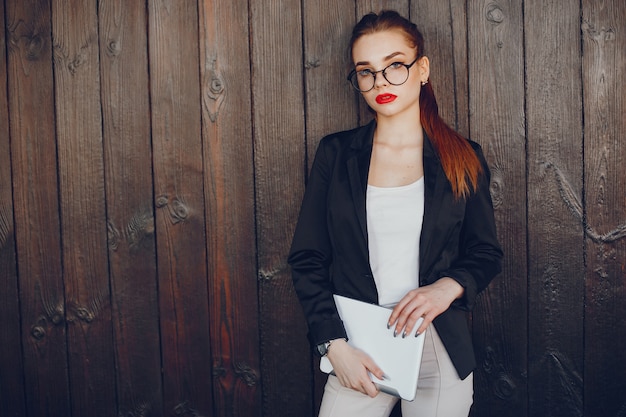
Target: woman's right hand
351, 367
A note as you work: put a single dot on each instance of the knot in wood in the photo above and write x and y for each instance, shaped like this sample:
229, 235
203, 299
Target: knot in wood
162, 201
38, 332
217, 86
34, 48
504, 387
114, 48
84, 314
179, 211
246, 373
494, 13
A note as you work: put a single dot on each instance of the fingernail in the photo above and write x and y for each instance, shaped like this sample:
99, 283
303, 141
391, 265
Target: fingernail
417, 333
385, 376
404, 334
388, 326
395, 333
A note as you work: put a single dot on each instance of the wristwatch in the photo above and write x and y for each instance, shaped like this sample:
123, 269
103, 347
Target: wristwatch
322, 348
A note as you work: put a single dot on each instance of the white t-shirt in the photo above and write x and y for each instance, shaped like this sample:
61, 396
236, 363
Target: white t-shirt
394, 226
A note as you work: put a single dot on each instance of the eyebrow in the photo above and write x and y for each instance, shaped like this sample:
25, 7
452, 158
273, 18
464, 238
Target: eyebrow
388, 57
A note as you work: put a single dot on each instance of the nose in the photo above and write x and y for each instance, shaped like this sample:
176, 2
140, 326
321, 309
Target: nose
379, 79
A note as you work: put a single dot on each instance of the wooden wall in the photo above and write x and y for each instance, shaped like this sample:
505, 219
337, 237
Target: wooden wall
153, 155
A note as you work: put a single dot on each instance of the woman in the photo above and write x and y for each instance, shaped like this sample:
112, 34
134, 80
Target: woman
397, 213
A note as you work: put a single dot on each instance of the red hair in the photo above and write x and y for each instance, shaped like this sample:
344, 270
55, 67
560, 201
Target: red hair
458, 159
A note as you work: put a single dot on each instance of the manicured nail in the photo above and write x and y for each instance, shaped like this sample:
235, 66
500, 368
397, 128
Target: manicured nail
395, 333
388, 326
417, 333
404, 334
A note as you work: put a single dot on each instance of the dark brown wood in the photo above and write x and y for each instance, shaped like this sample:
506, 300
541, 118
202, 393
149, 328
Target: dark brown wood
443, 24
279, 139
12, 401
130, 213
82, 204
604, 72
496, 81
153, 157
228, 192
555, 233
178, 183
36, 203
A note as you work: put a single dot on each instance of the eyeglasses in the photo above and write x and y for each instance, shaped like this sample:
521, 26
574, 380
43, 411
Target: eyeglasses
396, 74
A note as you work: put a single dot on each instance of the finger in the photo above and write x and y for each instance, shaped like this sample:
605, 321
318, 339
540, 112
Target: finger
370, 389
403, 326
397, 310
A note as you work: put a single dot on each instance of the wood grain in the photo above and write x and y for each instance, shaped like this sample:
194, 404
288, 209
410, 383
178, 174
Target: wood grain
279, 148
37, 212
180, 226
129, 199
82, 204
604, 68
555, 234
229, 199
444, 27
496, 81
12, 401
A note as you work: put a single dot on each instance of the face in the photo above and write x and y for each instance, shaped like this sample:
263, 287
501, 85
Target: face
374, 52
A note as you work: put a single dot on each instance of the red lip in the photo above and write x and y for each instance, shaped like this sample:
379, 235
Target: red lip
385, 98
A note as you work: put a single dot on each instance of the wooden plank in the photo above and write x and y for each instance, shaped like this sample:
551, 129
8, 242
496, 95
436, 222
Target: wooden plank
496, 81
278, 103
229, 191
12, 401
36, 209
444, 27
604, 74
132, 251
555, 233
83, 217
178, 183
329, 101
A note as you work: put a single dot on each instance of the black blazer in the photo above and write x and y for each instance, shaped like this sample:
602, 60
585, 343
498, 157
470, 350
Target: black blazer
329, 252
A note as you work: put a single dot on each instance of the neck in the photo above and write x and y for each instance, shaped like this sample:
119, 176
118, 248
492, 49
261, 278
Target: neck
400, 129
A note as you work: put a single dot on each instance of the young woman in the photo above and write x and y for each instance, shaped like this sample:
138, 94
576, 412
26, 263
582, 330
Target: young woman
398, 213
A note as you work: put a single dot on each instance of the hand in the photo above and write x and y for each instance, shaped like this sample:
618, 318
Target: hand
351, 367
425, 302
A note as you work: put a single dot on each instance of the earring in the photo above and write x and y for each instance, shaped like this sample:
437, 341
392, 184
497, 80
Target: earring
424, 82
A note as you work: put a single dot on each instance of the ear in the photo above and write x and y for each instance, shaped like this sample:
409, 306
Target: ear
424, 68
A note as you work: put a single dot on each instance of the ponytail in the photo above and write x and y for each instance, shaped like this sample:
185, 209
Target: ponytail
458, 159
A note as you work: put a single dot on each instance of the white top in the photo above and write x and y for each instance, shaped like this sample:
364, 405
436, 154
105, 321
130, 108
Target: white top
394, 226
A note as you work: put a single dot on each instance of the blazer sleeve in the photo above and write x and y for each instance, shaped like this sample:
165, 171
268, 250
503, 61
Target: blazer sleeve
480, 254
310, 256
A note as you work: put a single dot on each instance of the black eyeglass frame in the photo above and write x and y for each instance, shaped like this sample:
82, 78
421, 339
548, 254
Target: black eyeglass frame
407, 66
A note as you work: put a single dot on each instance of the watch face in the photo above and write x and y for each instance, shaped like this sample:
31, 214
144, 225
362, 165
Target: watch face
322, 348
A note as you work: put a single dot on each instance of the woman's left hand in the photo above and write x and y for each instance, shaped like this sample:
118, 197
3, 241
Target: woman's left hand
425, 302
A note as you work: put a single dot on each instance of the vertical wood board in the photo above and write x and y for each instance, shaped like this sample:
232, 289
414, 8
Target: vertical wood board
496, 81
12, 401
130, 216
279, 128
229, 199
604, 68
555, 245
178, 182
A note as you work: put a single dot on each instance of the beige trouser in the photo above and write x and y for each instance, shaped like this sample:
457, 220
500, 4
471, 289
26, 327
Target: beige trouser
440, 392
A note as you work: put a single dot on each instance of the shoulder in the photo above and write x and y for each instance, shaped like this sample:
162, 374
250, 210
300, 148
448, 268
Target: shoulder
355, 138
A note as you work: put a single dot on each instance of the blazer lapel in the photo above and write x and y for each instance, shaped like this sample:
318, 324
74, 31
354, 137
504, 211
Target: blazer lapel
358, 169
434, 182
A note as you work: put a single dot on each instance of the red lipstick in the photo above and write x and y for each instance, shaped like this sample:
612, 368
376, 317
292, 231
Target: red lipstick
385, 98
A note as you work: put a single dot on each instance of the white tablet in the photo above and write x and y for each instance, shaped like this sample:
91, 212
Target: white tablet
399, 358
